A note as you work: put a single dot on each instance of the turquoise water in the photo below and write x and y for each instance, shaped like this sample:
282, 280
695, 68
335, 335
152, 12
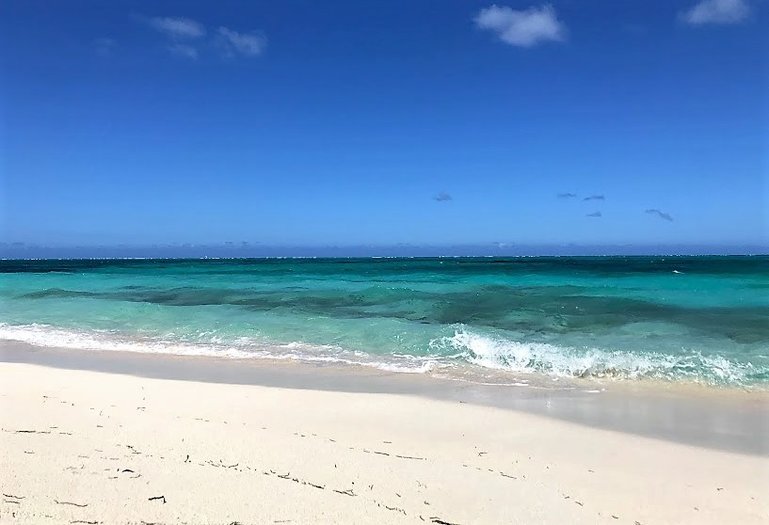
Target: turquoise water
703, 319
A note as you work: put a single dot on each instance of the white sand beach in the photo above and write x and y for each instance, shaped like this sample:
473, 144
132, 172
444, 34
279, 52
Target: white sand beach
89, 447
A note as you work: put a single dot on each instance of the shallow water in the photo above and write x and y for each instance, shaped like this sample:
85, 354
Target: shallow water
703, 319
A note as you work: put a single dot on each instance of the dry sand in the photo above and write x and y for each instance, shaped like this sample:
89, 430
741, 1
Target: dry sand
90, 447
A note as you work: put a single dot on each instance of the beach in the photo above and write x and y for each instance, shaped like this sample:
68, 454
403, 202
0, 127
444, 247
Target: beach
88, 446
447, 391
441, 263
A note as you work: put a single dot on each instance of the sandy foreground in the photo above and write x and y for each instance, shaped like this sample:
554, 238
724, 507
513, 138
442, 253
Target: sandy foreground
89, 447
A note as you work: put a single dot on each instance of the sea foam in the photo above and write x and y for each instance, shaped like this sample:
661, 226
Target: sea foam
242, 348
465, 346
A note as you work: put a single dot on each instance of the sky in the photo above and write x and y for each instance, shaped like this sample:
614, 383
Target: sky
384, 123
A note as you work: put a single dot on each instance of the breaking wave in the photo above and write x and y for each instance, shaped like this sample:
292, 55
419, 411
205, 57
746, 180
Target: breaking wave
557, 361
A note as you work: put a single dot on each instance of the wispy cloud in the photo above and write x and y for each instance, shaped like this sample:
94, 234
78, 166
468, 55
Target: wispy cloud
717, 12
184, 50
443, 197
567, 195
177, 28
180, 33
595, 214
524, 28
660, 214
248, 44
104, 46
595, 198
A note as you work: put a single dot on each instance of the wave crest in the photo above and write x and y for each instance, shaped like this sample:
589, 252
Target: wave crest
503, 354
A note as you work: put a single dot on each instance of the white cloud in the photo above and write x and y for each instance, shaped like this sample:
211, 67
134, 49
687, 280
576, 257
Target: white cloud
525, 28
717, 12
178, 28
183, 50
249, 44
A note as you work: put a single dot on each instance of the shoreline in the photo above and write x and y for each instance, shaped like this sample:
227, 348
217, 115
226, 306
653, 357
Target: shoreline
727, 419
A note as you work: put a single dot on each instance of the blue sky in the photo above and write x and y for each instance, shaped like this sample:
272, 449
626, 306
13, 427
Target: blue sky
423, 122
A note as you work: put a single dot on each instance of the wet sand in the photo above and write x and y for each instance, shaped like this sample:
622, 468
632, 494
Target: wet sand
727, 419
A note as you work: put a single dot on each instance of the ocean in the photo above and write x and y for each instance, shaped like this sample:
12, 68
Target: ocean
516, 320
